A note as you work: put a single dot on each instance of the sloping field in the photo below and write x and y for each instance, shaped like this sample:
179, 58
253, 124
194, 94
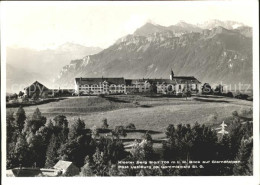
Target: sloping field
154, 113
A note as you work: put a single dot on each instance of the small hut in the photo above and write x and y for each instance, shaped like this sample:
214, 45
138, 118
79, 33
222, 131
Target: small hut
67, 168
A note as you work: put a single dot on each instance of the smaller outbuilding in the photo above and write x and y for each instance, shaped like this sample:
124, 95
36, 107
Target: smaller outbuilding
37, 89
67, 168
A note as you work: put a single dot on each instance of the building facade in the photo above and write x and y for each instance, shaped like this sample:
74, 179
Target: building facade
95, 86
175, 85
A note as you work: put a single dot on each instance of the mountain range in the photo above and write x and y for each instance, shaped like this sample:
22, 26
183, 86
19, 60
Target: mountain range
25, 65
214, 52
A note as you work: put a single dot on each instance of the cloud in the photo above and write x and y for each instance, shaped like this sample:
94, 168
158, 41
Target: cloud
135, 22
48, 25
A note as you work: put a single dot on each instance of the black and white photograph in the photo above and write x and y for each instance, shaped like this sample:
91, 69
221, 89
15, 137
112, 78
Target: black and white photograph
130, 89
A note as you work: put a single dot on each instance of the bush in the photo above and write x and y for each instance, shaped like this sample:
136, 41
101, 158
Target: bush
230, 94
206, 89
104, 125
130, 126
234, 113
242, 96
119, 131
21, 94
218, 90
25, 98
101, 95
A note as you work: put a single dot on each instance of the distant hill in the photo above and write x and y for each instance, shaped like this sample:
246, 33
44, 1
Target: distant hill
215, 23
17, 79
26, 65
212, 55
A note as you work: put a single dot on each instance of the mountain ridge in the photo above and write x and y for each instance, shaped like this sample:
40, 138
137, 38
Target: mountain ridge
151, 55
46, 63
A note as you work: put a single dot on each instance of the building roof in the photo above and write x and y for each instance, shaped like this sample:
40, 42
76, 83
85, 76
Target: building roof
118, 81
131, 81
185, 79
176, 80
63, 165
36, 84
92, 81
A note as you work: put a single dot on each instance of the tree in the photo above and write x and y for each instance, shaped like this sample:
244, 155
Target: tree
104, 125
218, 90
100, 166
223, 150
20, 118
113, 149
61, 121
113, 171
235, 114
206, 89
21, 94
11, 141
230, 94
186, 92
10, 126
86, 170
21, 152
50, 124
15, 96
25, 98
78, 144
94, 132
142, 151
35, 122
72, 151
45, 132
237, 132
213, 118
37, 147
77, 129
51, 153
119, 131
244, 154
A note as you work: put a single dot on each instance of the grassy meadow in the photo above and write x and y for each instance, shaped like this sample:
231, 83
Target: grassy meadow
154, 113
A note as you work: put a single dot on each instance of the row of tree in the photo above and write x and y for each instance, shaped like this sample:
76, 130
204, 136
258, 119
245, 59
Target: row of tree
32, 141
219, 90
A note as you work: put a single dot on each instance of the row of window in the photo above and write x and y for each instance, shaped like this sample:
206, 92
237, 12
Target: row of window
101, 88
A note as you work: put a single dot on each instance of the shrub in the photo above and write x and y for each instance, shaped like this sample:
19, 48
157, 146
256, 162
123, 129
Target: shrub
21, 94
101, 95
119, 131
104, 125
130, 126
230, 94
242, 96
206, 89
234, 113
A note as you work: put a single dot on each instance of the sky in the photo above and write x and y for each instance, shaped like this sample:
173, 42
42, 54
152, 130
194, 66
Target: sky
41, 25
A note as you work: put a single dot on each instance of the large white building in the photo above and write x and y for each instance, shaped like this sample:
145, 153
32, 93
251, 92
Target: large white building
175, 85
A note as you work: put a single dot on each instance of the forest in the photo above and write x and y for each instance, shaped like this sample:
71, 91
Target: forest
34, 141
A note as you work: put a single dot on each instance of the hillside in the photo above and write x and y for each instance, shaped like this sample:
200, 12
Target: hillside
214, 56
26, 65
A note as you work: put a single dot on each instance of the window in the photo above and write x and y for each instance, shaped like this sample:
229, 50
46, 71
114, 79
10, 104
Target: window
179, 86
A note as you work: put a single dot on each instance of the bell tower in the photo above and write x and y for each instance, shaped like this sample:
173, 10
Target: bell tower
171, 75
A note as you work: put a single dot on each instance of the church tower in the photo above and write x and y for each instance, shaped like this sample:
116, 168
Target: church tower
171, 75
